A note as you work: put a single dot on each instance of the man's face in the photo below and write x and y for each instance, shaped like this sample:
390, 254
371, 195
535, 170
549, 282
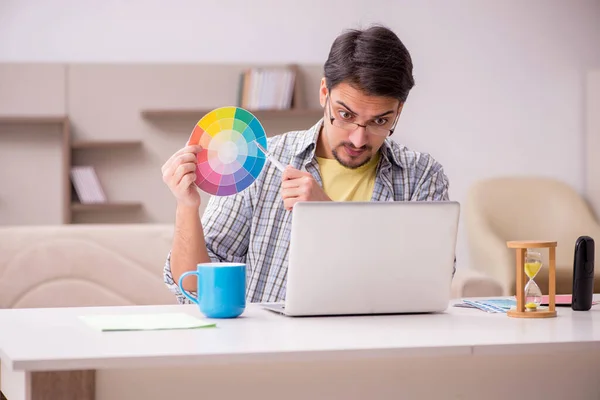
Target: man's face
352, 145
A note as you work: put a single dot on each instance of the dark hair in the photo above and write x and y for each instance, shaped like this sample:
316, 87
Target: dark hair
372, 60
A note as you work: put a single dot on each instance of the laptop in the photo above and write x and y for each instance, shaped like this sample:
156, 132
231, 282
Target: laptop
357, 258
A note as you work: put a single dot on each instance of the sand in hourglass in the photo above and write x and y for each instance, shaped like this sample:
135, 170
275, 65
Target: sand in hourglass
532, 269
533, 294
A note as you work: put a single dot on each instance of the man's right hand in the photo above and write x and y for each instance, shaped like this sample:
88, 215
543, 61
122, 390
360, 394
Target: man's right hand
179, 173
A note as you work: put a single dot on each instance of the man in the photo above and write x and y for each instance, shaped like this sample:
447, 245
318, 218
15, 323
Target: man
346, 156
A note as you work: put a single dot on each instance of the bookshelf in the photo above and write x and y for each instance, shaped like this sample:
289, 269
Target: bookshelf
108, 206
115, 206
185, 113
96, 144
138, 116
277, 90
68, 147
33, 119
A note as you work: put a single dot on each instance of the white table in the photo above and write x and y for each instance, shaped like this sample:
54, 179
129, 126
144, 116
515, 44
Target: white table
460, 354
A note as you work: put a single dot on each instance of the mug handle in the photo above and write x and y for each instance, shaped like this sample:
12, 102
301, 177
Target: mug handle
185, 292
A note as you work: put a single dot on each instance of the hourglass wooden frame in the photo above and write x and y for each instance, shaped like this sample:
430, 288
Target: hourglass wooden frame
521, 248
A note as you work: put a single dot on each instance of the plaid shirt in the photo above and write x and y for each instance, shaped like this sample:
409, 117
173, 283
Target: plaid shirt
253, 227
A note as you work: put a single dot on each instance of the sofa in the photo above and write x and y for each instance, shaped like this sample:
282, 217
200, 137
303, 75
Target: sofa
112, 265
83, 265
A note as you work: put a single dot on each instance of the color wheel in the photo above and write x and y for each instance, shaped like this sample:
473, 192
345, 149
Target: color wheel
229, 161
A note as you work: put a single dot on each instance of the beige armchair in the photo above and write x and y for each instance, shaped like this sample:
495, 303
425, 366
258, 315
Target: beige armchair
526, 208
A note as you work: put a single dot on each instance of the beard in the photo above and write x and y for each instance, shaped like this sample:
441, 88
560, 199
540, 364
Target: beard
354, 162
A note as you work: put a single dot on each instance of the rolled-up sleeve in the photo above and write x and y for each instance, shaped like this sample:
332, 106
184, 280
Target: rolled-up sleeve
171, 285
226, 225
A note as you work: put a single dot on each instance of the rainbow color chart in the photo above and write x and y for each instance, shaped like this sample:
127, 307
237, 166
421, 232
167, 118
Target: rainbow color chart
229, 161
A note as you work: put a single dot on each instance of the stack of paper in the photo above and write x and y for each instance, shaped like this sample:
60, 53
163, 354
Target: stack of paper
133, 322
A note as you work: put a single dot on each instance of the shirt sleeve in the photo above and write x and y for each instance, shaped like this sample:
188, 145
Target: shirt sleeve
433, 186
226, 225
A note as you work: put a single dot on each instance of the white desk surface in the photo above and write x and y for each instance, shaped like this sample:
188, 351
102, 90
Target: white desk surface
53, 339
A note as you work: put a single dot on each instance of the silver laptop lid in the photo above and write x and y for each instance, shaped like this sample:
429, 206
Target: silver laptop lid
375, 257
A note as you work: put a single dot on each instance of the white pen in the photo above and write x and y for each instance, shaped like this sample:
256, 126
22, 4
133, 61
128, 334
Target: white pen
270, 157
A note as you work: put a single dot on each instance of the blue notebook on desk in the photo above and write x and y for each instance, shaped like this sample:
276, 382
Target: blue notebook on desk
490, 305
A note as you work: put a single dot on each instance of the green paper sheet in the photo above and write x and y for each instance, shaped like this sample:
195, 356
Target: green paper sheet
144, 322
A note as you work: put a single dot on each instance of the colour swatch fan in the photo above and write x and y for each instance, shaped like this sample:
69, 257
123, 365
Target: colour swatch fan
229, 161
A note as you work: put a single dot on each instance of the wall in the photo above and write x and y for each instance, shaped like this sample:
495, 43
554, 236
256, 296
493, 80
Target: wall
500, 85
592, 142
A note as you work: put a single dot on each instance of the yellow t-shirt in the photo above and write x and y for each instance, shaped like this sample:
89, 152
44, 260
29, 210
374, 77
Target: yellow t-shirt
345, 184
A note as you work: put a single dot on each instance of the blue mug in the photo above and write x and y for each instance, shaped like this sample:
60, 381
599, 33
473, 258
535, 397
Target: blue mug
221, 289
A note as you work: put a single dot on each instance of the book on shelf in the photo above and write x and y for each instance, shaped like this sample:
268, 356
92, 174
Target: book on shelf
266, 88
87, 185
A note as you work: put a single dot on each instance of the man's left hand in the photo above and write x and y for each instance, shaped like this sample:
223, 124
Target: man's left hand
298, 186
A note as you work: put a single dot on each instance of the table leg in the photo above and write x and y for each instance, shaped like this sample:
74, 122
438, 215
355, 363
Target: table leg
15, 385
50, 385
64, 385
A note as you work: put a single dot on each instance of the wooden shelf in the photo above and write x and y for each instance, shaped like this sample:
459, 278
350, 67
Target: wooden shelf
199, 113
33, 119
166, 121
105, 207
101, 144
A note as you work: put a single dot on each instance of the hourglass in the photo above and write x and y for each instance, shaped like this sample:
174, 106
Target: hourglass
533, 293
529, 296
